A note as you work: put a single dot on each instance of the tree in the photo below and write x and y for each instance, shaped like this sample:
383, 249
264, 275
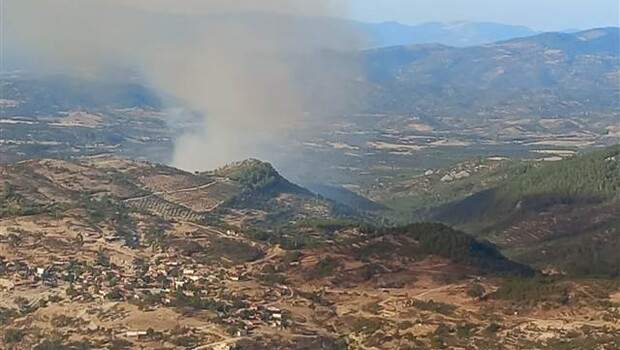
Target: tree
79, 239
103, 259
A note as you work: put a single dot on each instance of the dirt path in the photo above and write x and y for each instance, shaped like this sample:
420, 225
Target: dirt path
271, 253
615, 297
435, 290
215, 345
222, 234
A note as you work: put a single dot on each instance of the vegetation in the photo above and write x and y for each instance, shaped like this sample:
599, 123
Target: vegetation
441, 240
200, 303
103, 259
61, 321
580, 196
325, 268
114, 212
591, 254
13, 335
252, 174
584, 342
14, 204
432, 306
156, 238
367, 325
415, 78
592, 175
589, 178
288, 237
120, 344
271, 278
328, 225
236, 251
533, 290
476, 291
6, 315
59, 344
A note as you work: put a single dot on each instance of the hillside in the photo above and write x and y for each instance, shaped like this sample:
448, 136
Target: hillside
440, 240
162, 257
563, 215
542, 75
248, 196
347, 197
408, 197
249, 190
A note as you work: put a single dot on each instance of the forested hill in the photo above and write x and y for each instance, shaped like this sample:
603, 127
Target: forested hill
564, 214
589, 178
593, 176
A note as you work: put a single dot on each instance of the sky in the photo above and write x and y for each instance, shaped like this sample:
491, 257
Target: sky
537, 14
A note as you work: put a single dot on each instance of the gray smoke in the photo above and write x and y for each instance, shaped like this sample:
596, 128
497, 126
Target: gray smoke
254, 69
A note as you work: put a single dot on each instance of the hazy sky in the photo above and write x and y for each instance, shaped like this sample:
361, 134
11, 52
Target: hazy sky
538, 14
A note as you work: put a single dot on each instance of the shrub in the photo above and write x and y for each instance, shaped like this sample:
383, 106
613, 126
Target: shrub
325, 268
533, 290
476, 291
442, 308
13, 335
367, 325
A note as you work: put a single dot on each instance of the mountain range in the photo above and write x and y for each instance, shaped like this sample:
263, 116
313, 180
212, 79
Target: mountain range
458, 34
542, 74
383, 34
545, 74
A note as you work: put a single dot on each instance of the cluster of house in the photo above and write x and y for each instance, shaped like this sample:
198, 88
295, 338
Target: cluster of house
18, 273
167, 278
245, 320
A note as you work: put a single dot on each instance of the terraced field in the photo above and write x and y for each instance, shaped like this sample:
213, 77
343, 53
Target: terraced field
167, 210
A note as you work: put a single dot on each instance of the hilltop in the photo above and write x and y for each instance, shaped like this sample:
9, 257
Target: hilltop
239, 191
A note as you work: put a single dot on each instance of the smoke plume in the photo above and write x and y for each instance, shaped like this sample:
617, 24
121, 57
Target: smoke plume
255, 70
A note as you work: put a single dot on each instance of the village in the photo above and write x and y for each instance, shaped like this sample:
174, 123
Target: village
165, 282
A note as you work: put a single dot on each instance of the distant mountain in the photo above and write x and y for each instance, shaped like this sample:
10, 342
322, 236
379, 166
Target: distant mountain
36, 95
442, 75
383, 34
546, 74
459, 34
